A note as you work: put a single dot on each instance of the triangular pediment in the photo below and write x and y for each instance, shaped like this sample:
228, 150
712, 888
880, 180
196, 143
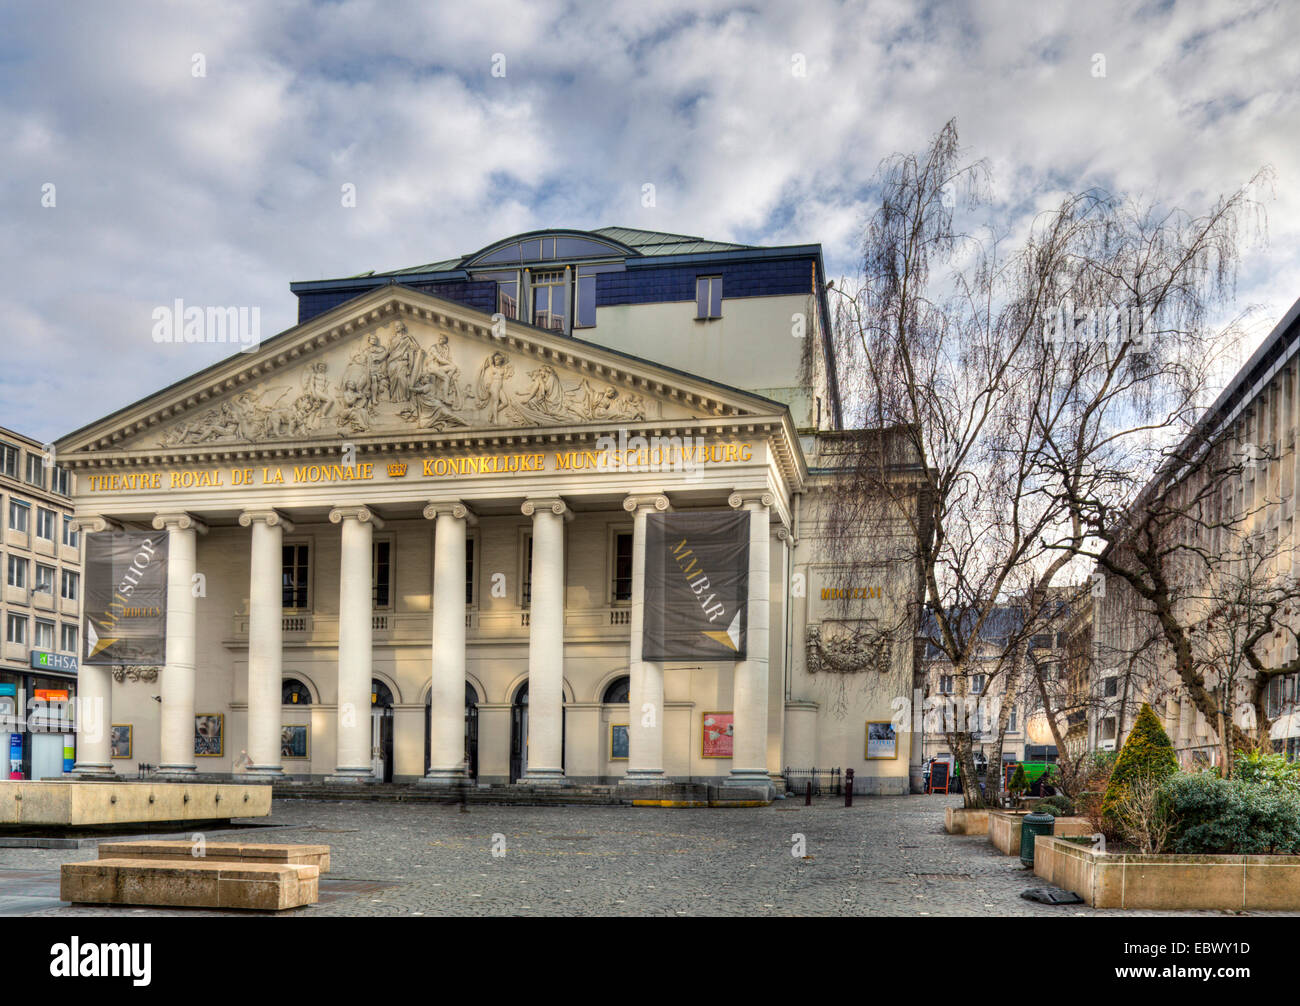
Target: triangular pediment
400, 363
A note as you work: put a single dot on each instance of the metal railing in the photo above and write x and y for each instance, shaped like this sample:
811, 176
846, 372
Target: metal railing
825, 781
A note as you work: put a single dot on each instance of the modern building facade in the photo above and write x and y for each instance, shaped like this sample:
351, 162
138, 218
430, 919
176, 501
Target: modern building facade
40, 609
1245, 485
405, 537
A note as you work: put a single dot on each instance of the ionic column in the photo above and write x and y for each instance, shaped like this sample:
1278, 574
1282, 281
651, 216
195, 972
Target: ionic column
546, 643
352, 762
265, 638
447, 698
177, 717
94, 711
749, 751
645, 731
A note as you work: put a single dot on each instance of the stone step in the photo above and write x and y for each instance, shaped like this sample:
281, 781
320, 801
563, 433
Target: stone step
225, 852
200, 883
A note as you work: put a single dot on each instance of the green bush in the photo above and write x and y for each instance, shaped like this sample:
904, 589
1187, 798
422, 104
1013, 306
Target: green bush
1268, 770
1018, 782
1230, 816
1147, 752
1058, 806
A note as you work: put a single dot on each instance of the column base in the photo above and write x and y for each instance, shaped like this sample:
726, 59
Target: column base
644, 777
92, 770
265, 772
175, 773
543, 777
352, 775
751, 779
444, 779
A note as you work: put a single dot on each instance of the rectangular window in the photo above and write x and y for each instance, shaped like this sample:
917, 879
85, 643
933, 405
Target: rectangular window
9, 460
708, 297
945, 684
44, 638
976, 684
71, 536
17, 571
16, 629
549, 290
469, 571
19, 513
45, 523
528, 571
295, 577
622, 586
71, 585
1110, 687
60, 481
381, 571
584, 308
44, 580
1011, 722
67, 638
1108, 728
35, 470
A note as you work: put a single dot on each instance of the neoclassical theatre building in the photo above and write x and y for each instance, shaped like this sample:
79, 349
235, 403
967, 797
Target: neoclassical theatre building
405, 537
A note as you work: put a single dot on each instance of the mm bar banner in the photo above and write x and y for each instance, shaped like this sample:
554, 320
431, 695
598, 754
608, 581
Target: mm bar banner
696, 586
126, 597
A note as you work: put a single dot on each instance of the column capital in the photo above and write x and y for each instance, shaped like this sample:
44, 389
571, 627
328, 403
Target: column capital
361, 514
781, 533
181, 521
649, 501
271, 518
556, 505
94, 522
750, 499
456, 508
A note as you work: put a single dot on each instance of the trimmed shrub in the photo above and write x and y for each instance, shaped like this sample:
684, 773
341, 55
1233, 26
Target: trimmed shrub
1018, 782
1268, 770
1058, 806
1148, 753
1231, 816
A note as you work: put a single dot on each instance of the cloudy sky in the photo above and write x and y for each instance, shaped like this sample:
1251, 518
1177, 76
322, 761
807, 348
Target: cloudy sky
199, 150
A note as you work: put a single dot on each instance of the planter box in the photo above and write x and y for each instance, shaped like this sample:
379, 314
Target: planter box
1004, 829
960, 821
1132, 880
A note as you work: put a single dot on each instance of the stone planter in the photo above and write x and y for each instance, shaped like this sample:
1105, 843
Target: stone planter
960, 821
1132, 880
1004, 829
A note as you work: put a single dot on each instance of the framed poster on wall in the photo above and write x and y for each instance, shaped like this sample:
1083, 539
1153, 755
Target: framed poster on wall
718, 731
618, 746
295, 741
121, 740
882, 741
210, 735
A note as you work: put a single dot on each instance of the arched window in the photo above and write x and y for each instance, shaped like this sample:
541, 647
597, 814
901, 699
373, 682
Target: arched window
380, 695
617, 692
295, 693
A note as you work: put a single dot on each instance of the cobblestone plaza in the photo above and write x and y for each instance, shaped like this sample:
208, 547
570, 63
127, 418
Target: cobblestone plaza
884, 856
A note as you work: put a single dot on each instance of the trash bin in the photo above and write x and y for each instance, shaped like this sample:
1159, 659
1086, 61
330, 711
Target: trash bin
1033, 824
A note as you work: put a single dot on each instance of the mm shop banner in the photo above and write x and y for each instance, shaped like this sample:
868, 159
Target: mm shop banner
696, 586
126, 597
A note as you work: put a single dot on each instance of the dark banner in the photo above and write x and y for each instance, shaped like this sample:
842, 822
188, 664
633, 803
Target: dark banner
126, 597
696, 585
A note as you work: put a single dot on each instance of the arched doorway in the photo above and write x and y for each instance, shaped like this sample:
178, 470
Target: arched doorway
381, 730
471, 730
519, 734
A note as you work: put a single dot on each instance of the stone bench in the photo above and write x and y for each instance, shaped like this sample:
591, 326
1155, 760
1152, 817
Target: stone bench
225, 852
200, 883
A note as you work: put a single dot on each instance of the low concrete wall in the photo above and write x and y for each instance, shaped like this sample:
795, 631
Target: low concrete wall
1133, 880
960, 821
1004, 829
73, 804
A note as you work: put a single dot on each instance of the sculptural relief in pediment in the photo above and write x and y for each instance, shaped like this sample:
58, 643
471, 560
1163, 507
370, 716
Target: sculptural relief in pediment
398, 380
